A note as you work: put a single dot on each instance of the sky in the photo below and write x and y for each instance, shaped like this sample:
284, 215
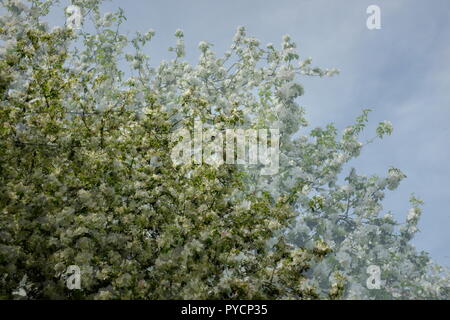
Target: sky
401, 72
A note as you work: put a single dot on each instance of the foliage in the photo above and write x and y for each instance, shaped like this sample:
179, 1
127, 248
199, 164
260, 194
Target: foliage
86, 177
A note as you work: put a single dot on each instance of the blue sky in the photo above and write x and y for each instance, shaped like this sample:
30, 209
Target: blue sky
402, 72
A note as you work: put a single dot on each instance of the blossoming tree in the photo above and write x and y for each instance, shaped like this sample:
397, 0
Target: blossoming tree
86, 176
87, 179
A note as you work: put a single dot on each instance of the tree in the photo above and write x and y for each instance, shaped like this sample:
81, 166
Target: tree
87, 179
346, 215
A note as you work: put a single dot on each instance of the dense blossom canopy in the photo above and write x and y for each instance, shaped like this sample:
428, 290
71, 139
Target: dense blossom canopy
86, 176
